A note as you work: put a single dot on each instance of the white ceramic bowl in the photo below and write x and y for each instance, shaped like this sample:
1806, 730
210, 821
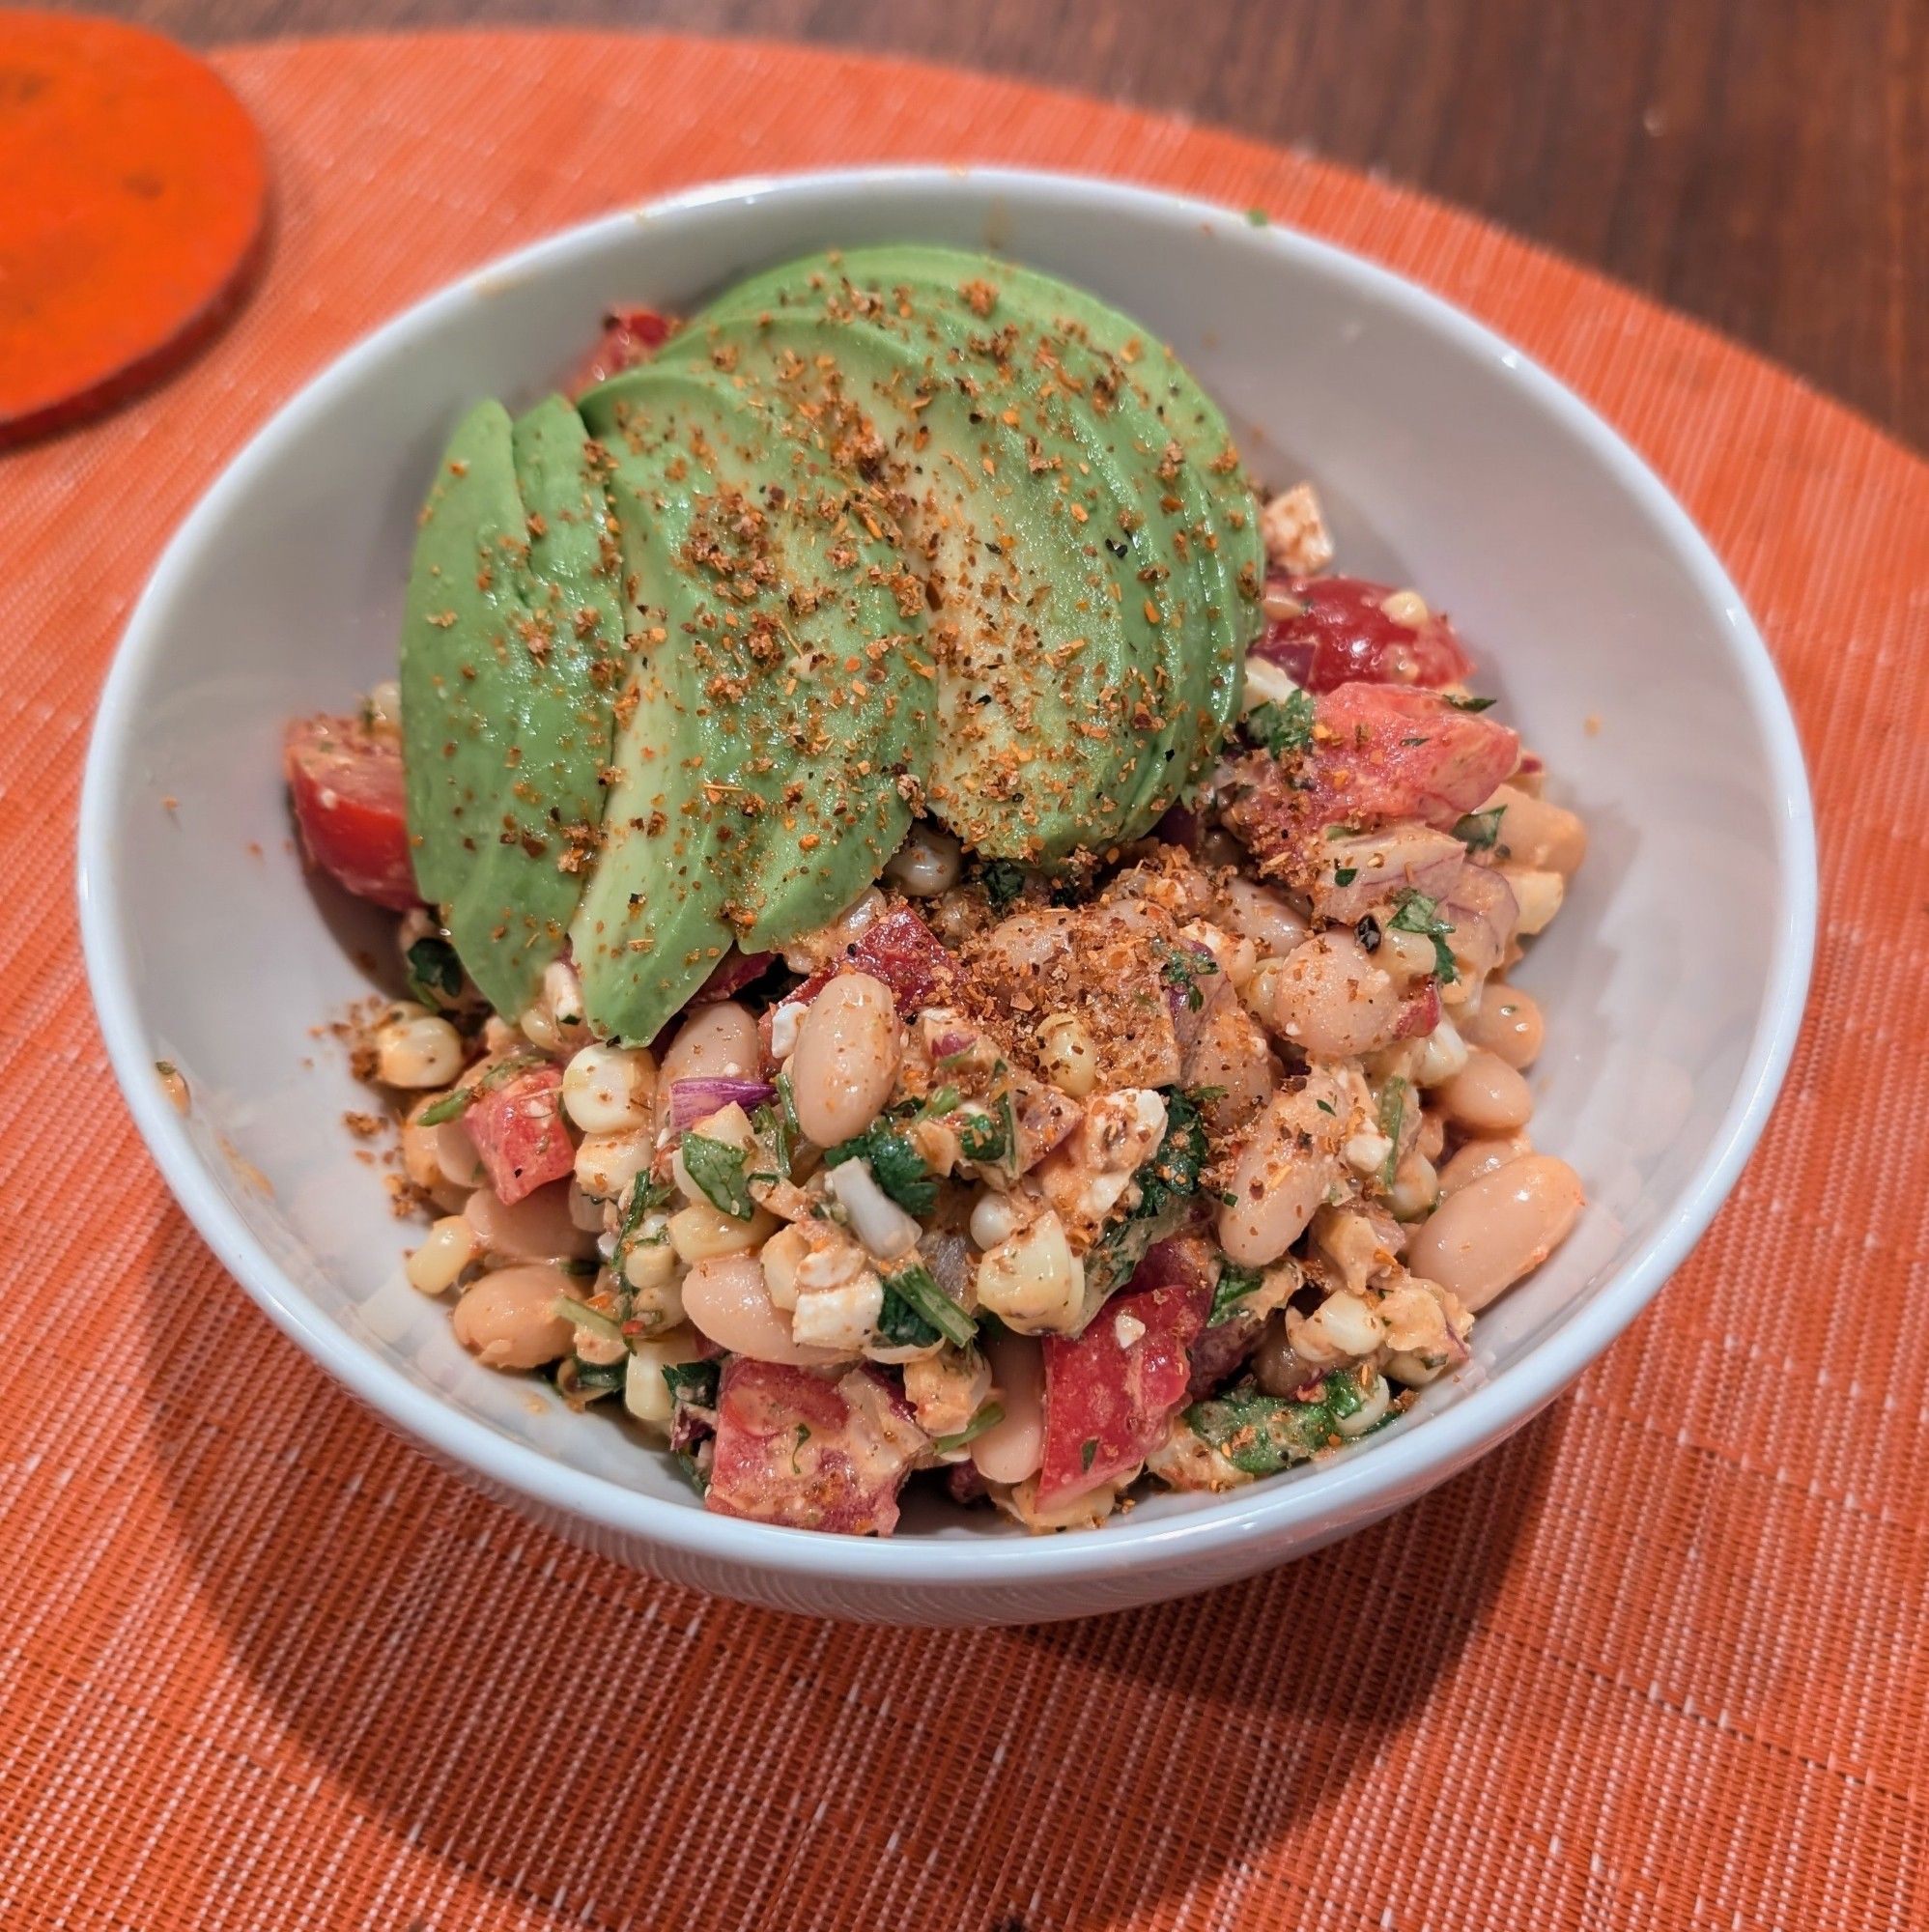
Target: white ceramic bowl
1673, 983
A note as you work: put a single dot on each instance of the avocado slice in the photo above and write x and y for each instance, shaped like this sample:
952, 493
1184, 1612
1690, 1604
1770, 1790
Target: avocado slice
512, 651
783, 698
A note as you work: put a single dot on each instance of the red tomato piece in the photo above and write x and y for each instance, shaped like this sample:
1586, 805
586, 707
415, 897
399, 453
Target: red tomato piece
519, 1132
795, 1449
630, 335
1420, 1014
734, 971
1390, 752
1110, 1390
897, 948
351, 809
1344, 636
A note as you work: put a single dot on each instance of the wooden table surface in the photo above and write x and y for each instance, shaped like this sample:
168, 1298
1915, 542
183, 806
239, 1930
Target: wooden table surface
1762, 164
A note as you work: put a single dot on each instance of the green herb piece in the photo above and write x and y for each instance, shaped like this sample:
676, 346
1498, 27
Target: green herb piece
502, 1074
896, 1165
1181, 970
1472, 703
1480, 830
435, 972
988, 1417
1345, 875
694, 1384
1261, 1434
718, 1170
984, 1139
803, 1436
580, 1313
1002, 883
914, 1285
1281, 729
444, 1109
1415, 912
900, 1325
580, 1382
1166, 1181
1235, 1283
1258, 217
1088, 1452
1392, 1117
773, 1130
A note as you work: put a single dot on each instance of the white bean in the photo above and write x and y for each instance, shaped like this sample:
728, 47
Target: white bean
715, 1042
1229, 1054
1288, 1162
1332, 1001
846, 1058
1474, 1158
1013, 1448
725, 1298
1507, 1022
505, 1320
1486, 1097
538, 1228
1538, 835
1489, 1234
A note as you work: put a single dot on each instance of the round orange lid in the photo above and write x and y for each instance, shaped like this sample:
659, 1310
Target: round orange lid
133, 215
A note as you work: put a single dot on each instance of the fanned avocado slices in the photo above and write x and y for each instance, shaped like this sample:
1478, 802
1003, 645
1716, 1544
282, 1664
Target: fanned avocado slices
512, 650
784, 689
1094, 554
904, 529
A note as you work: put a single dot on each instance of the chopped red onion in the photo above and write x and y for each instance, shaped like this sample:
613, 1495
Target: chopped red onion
694, 1100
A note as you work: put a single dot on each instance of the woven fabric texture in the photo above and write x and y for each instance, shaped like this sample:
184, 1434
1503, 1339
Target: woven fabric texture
1657, 1663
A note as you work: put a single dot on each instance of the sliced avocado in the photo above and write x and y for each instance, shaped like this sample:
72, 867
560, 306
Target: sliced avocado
785, 680
1094, 595
512, 649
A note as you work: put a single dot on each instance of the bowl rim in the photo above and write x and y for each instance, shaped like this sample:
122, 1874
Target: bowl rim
1348, 1489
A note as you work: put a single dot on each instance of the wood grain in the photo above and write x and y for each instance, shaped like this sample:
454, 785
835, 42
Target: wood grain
1762, 164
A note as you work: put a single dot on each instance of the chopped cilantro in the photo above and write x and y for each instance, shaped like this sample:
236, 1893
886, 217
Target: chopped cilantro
1471, 703
1261, 1434
899, 1324
1088, 1452
896, 1165
983, 1138
1002, 883
694, 1384
803, 1436
1345, 875
1181, 970
1284, 728
499, 1076
772, 1127
1235, 1283
433, 971
1480, 830
718, 1170
579, 1314
1166, 1182
1417, 913
988, 1417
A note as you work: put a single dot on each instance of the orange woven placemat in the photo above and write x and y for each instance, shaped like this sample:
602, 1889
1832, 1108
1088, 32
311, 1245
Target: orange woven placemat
1655, 1663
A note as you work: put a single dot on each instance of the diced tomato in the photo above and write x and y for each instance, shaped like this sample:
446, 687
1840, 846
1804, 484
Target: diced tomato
1420, 1013
519, 1132
1387, 751
351, 809
1109, 1391
897, 948
630, 335
1344, 636
795, 1449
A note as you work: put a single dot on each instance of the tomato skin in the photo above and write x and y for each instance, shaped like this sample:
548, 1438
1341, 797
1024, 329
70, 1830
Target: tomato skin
630, 335
518, 1133
1342, 636
795, 1449
1115, 1395
351, 809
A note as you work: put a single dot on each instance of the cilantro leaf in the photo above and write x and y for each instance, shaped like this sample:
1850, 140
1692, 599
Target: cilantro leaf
1234, 1284
694, 1384
1480, 830
1003, 882
1284, 728
1261, 1434
1392, 1117
435, 972
896, 1165
718, 1170
1471, 703
982, 1137
1415, 912
1181, 970
988, 1417
927, 1306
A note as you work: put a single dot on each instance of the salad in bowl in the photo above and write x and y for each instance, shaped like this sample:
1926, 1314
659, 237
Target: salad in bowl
944, 940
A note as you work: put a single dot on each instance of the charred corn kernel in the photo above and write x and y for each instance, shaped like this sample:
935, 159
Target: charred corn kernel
1406, 955
782, 1257
1379, 1398
1067, 1054
1266, 684
448, 1247
646, 1394
1032, 1280
1442, 1056
607, 1163
605, 1088
1407, 607
420, 1050
926, 865
700, 1232
1416, 1188
649, 1262
1342, 1329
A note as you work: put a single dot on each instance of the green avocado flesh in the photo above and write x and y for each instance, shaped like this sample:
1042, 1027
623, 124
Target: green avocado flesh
904, 529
